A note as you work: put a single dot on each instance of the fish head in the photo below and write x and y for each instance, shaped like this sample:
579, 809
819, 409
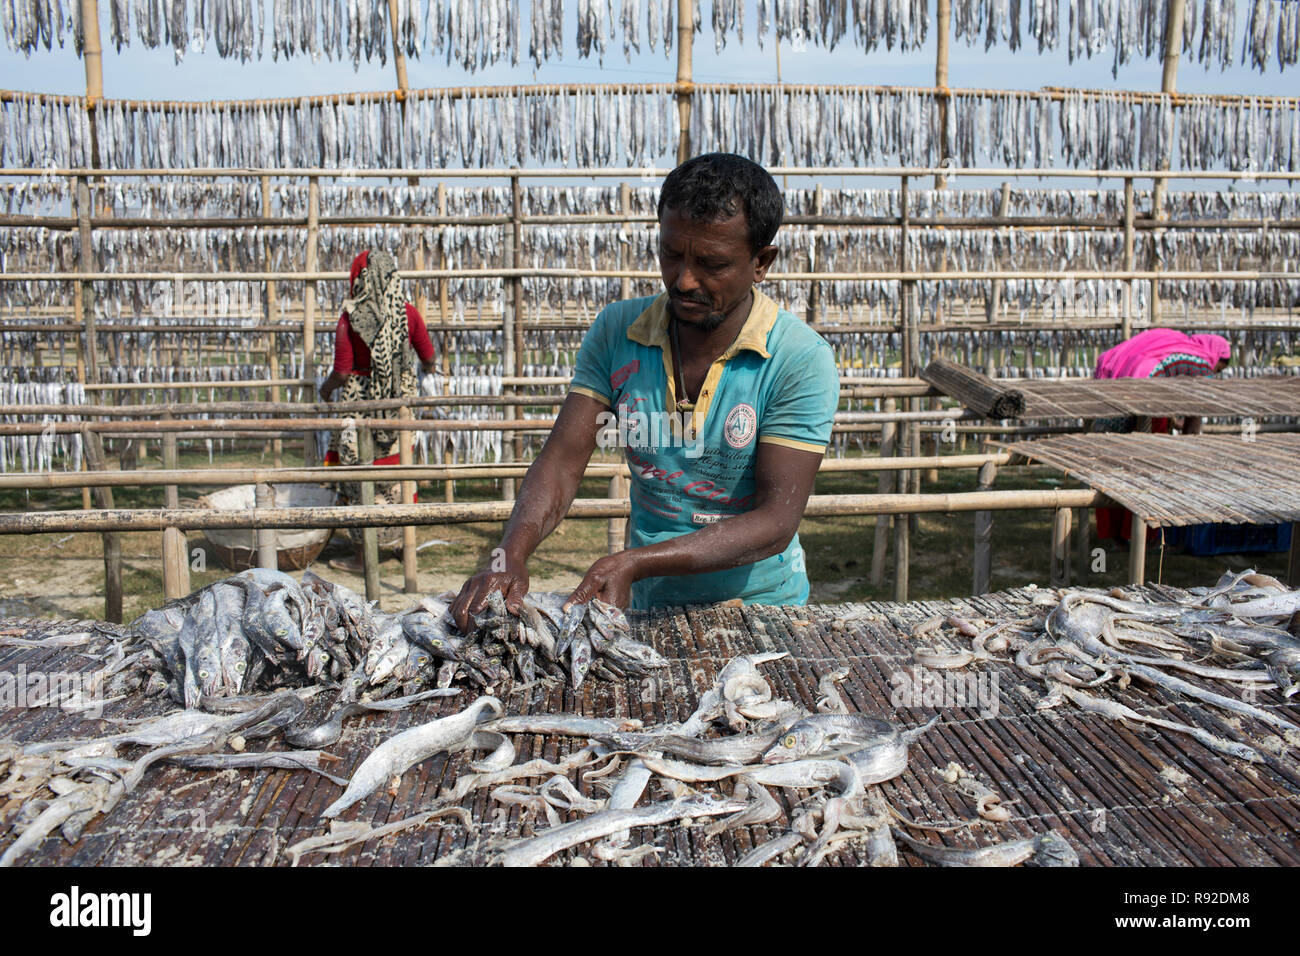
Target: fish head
610, 619
800, 741
579, 660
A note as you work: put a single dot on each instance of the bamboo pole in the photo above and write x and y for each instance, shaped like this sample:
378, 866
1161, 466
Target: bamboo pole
943, 27
814, 290
267, 555
1084, 540
617, 527
1126, 326
542, 272
195, 477
94, 450
1137, 552
995, 293
369, 537
1060, 572
624, 257
309, 309
176, 566
410, 557
1293, 557
272, 300
399, 58
682, 89
983, 562
197, 519
1052, 93
884, 486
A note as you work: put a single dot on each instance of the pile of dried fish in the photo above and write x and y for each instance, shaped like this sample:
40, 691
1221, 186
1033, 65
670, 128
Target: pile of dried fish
262, 629
1239, 634
831, 758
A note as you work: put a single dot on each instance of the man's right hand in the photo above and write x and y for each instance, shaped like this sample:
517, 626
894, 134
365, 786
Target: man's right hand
512, 583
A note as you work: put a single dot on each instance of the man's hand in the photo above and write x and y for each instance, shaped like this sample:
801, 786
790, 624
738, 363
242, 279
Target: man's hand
609, 579
512, 583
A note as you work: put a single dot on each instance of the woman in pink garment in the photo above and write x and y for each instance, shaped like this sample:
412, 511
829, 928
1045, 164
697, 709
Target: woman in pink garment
1155, 353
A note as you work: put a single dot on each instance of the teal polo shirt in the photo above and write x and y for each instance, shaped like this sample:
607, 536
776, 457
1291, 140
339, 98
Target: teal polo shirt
776, 383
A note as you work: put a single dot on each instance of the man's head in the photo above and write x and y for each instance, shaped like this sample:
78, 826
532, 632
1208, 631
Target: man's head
718, 214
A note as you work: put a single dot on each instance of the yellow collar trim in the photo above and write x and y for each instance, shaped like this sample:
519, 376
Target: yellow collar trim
651, 327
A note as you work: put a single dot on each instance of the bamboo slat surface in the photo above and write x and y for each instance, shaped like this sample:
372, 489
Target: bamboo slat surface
1174, 480
1207, 397
1121, 796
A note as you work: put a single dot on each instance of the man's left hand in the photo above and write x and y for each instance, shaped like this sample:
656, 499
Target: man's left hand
609, 579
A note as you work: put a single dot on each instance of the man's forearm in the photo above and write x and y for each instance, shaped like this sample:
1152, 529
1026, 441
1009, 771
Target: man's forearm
543, 501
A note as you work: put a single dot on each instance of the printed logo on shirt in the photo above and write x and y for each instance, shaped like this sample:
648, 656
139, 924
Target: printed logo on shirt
797, 563
740, 426
699, 518
623, 374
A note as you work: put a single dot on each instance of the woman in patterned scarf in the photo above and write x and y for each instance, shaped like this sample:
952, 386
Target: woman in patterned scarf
380, 338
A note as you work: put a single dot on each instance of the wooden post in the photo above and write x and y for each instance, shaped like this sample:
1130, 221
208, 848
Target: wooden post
995, 294
444, 310
983, 563
512, 334
410, 584
369, 540
92, 54
884, 486
617, 527
94, 449
1060, 573
1084, 534
1137, 552
444, 305
271, 301
685, 42
309, 309
909, 481
1293, 557
1126, 326
176, 565
1173, 48
264, 497
399, 58
814, 290
902, 558
943, 26
624, 257
87, 293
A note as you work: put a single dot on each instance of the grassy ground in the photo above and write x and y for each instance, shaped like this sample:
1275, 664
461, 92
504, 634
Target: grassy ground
63, 574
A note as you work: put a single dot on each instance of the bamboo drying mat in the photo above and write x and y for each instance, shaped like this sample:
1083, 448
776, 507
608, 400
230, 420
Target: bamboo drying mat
1183, 479
1121, 796
1272, 395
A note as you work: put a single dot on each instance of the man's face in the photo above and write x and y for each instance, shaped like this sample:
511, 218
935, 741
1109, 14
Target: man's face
708, 267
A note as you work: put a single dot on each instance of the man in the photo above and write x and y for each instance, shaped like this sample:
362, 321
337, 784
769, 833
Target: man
747, 390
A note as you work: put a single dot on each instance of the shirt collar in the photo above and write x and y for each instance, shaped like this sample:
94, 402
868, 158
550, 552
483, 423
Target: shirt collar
651, 326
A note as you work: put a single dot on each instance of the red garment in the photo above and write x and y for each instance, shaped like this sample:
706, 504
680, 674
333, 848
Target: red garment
352, 356
332, 460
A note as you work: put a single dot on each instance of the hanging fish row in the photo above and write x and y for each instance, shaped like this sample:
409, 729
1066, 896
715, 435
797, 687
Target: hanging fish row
610, 126
474, 36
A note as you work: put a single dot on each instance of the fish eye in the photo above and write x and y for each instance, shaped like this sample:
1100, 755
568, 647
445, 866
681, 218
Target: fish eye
789, 741
423, 660
239, 668
436, 643
203, 675
356, 680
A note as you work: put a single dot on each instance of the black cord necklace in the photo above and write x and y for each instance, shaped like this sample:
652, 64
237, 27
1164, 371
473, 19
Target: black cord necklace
683, 405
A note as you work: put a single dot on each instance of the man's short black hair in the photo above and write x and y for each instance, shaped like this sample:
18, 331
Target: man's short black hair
720, 185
